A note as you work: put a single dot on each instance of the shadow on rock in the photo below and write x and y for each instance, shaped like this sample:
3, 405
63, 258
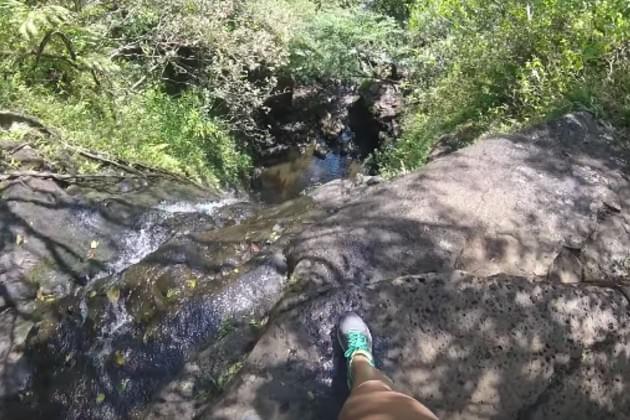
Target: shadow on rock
470, 348
496, 343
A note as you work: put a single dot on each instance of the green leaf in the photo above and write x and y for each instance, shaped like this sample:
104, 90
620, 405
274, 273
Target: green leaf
26, 29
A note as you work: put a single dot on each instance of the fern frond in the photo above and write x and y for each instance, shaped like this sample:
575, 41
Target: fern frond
33, 21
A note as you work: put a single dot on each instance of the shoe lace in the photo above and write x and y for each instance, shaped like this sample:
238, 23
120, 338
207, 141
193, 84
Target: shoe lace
356, 341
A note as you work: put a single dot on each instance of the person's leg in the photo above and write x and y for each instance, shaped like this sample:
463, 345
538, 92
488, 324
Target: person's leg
371, 396
361, 370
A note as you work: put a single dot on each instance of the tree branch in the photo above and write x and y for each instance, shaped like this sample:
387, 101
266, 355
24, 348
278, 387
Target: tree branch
69, 47
9, 117
66, 177
102, 159
46, 40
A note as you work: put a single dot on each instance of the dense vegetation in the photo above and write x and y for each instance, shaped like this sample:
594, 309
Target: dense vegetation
483, 66
178, 83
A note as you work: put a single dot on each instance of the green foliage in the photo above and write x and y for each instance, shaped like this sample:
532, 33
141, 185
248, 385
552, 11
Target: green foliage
74, 86
180, 83
196, 144
231, 48
483, 66
346, 44
52, 40
398, 9
149, 127
173, 83
31, 22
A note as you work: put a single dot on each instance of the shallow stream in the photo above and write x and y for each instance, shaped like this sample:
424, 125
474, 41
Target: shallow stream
301, 171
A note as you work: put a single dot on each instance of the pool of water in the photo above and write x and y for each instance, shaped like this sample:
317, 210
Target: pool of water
287, 180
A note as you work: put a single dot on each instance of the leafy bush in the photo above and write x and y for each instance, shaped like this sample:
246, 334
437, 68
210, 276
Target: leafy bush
99, 72
235, 49
56, 68
181, 83
398, 9
239, 49
346, 44
51, 40
483, 66
148, 127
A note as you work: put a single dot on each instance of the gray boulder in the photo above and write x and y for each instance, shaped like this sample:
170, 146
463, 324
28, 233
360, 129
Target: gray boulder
507, 204
500, 347
507, 337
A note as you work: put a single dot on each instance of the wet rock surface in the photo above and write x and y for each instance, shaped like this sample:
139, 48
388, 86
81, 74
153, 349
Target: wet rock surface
227, 307
58, 238
105, 351
301, 115
111, 362
55, 239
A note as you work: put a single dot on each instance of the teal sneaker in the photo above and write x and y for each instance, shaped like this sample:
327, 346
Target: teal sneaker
354, 338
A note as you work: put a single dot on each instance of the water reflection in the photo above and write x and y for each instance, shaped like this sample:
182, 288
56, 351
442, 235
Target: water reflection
287, 180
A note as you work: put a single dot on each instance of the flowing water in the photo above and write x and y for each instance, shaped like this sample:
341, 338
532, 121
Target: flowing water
151, 230
130, 335
154, 230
